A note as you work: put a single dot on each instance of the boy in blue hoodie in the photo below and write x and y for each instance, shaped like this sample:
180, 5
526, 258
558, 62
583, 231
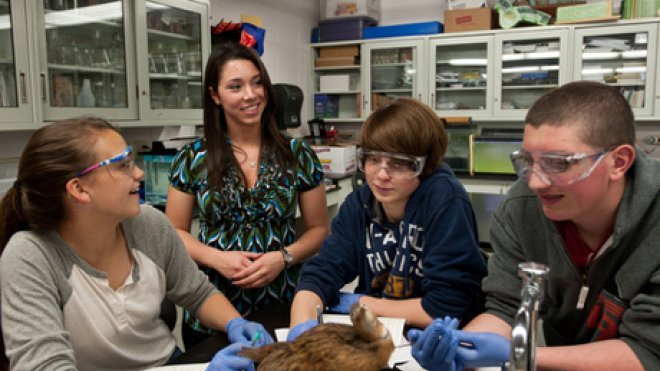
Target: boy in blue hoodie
408, 235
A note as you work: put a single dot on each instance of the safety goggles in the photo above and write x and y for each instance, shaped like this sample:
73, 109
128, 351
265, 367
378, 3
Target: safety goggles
124, 161
397, 165
554, 168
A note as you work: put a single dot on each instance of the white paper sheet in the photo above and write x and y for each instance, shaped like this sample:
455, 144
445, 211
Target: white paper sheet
186, 367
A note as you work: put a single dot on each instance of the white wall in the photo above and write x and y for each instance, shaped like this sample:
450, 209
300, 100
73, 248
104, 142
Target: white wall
410, 11
288, 25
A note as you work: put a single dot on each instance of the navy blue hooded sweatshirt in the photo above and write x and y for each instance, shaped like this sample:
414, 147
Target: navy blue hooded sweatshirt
432, 253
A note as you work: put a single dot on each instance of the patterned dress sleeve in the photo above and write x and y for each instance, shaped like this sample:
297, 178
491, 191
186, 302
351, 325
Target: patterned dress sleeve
182, 169
309, 171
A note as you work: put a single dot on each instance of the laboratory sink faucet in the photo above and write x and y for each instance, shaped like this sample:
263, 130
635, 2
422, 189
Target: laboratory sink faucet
523, 333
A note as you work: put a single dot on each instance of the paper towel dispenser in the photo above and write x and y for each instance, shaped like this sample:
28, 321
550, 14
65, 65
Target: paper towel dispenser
288, 102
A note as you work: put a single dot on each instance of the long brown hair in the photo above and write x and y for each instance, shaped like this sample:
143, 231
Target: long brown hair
220, 155
52, 156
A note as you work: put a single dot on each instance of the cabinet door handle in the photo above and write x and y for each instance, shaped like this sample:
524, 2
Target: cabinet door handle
43, 87
420, 97
364, 103
23, 92
433, 104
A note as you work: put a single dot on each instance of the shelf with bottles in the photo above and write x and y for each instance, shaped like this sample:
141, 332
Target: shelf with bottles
83, 89
171, 22
529, 64
83, 47
172, 76
168, 35
461, 78
85, 69
174, 95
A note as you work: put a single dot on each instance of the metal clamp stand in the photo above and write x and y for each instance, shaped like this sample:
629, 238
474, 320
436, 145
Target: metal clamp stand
524, 331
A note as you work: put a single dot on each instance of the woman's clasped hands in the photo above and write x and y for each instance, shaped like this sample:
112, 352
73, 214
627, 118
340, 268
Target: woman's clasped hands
249, 270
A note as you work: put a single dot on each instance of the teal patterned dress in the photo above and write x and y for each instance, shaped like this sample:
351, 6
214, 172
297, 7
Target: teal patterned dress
257, 219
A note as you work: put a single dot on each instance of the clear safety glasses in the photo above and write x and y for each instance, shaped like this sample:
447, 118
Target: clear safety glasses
125, 163
554, 168
397, 165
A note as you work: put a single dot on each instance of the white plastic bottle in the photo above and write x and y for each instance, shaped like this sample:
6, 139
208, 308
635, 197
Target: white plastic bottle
86, 97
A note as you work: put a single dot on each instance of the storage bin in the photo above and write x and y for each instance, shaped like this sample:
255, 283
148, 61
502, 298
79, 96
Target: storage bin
350, 8
344, 28
334, 83
406, 29
326, 106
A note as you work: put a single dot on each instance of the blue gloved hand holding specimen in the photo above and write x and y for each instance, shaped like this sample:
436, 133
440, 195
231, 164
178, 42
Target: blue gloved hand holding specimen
346, 300
241, 330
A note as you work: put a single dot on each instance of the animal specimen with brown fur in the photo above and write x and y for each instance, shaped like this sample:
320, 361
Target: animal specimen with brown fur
365, 346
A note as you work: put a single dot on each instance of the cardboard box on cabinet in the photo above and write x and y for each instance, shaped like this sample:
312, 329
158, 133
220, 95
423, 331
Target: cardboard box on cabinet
339, 51
474, 19
334, 83
337, 159
350, 8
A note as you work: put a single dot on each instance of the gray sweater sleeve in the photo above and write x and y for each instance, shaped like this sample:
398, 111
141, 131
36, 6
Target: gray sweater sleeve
35, 339
187, 285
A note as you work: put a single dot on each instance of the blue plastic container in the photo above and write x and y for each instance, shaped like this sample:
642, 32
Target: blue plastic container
350, 28
406, 29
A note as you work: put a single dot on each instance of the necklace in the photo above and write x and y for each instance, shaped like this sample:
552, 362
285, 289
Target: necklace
252, 164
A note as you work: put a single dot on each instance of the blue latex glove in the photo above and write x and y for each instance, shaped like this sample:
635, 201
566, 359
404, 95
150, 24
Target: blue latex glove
228, 359
300, 328
346, 300
435, 347
241, 330
487, 349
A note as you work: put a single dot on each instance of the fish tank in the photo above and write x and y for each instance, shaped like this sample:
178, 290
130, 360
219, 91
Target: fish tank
156, 182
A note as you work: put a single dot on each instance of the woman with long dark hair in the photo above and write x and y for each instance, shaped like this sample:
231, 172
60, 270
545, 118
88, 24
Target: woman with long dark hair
246, 180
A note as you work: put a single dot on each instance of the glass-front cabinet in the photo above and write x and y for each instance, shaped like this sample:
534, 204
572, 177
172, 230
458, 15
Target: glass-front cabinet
623, 57
394, 70
461, 76
528, 65
336, 82
83, 59
15, 97
134, 62
173, 42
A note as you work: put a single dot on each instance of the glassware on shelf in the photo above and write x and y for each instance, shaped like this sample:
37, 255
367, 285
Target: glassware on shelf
173, 97
85, 96
100, 95
193, 64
